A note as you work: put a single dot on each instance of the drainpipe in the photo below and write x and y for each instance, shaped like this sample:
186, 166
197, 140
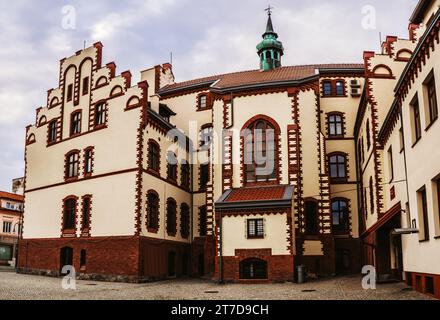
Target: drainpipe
404, 158
222, 275
359, 192
191, 168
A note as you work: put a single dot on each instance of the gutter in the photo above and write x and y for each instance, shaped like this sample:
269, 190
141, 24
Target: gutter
285, 83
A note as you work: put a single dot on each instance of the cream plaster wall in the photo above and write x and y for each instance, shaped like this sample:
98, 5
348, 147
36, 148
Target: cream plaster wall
276, 234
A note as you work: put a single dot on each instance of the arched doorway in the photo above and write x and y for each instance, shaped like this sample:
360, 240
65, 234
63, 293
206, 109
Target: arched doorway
253, 269
66, 257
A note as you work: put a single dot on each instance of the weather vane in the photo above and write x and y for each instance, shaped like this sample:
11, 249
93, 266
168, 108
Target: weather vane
269, 10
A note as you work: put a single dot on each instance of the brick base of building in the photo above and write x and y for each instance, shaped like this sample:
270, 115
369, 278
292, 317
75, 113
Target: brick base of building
428, 284
280, 268
119, 259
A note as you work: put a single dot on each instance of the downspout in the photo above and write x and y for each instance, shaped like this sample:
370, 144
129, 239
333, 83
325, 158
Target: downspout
406, 165
220, 236
191, 164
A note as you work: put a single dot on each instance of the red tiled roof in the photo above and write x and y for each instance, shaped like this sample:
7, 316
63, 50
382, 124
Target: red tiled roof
259, 77
257, 194
11, 196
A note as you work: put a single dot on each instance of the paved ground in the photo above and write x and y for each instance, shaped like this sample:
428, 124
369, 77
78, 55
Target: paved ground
24, 287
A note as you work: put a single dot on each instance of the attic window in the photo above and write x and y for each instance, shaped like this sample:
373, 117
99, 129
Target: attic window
202, 102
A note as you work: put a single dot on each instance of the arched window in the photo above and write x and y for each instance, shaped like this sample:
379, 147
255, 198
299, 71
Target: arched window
72, 165
371, 187
88, 161
253, 269
152, 211
338, 167
186, 175
311, 218
86, 205
69, 214
184, 220
202, 221
172, 166
340, 215
171, 217
367, 128
153, 156
335, 125
260, 152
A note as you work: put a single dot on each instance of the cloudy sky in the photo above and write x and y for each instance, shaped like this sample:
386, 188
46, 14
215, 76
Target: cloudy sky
206, 37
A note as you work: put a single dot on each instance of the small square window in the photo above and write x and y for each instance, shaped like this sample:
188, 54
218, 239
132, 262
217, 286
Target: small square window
255, 229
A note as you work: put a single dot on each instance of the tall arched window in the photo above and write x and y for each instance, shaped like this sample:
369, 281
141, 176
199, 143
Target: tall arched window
184, 220
260, 152
371, 195
340, 215
338, 167
311, 218
52, 132
69, 213
72, 165
172, 166
153, 156
368, 134
202, 221
171, 217
152, 211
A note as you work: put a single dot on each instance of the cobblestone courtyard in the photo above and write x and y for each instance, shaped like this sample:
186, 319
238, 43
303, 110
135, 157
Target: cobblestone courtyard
24, 287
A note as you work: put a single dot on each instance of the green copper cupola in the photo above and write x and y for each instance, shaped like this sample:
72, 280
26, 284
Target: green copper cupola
270, 50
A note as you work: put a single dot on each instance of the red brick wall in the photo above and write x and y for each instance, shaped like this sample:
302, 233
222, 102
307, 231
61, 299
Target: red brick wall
280, 268
420, 286
117, 256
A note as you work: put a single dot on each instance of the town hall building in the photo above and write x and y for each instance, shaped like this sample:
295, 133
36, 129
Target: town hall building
119, 186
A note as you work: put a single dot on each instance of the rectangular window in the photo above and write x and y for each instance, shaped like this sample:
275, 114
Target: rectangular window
75, 124
402, 140
86, 213
85, 88
204, 176
417, 126
7, 226
88, 162
69, 92
72, 170
52, 134
100, 114
327, 88
202, 102
390, 163
432, 99
423, 215
255, 229
340, 88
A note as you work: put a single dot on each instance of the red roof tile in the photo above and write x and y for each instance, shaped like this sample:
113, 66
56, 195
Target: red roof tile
259, 77
11, 196
257, 194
